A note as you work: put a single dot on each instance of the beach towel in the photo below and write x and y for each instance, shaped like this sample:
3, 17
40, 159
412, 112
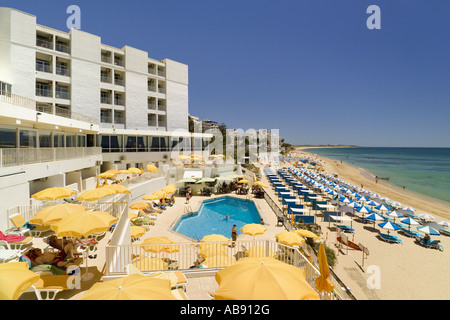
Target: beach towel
11, 238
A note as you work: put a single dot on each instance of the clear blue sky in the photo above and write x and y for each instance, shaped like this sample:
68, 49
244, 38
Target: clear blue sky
309, 68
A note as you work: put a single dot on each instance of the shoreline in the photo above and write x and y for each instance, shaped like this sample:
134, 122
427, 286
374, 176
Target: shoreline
360, 176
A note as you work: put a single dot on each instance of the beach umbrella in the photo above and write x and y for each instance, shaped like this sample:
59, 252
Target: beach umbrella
139, 205
15, 278
215, 238
151, 168
107, 175
408, 208
375, 217
382, 207
372, 203
260, 183
84, 224
212, 249
124, 172
388, 226
206, 179
243, 181
364, 209
428, 230
354, 205
160, 194
117, 188
95, 194
171, 188
159, 244
396, 204
253, 229
54, 193
394, 214
150, 264
306, 234
289, 238
426, 216
323, 283
137, 232
263, 279
364, 199
151, 197
55, 213
132, 287
135, 170
218, 261
409, 221
443, 223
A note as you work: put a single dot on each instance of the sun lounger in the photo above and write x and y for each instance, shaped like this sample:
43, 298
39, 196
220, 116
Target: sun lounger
390, 238
177, 278
179, 294
21, 226
7, 255
411, 233
22, 245
434, 244
445, 232
345, 228
49, 268
49, 286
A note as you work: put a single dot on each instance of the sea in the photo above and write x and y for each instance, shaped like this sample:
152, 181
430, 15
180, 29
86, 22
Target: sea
421, 170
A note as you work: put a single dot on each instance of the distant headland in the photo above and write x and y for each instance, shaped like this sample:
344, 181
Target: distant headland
311, 146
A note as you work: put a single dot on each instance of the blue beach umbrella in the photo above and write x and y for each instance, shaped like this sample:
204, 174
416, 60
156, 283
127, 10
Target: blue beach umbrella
364, 199
395, 214
388, 226
409, 221
363, 209
354, 204
443, 223
382, 207
372, 203
428, 230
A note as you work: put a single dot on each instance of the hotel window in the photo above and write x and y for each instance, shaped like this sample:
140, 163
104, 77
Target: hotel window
5, 89
152, 120
116, 143
63, 111
70, 141
27, 139
164, 143
45, 139
105, 97
130, 143
62, 92
142, 143
154, 146
119, 117
105, 116
162, 121
44, 89
119, 78
62, 45
58, 140
81, 141
105, 75
106, 56
43, 66
119, 60
44, 41
62, 68
104, 143
8, 138
119, 99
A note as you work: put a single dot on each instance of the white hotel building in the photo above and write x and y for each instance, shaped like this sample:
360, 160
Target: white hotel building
72, 107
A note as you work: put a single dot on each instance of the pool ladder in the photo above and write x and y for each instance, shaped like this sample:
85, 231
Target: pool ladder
188, 210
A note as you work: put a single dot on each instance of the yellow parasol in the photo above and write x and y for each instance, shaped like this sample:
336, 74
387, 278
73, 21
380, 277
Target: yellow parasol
139, 205
124, 172
55, 213
132, 287
289, 238
15, 278
53, 193
263, 279
160, 194
253, 229
150, 263
243, 181
135, 170
150, 197
83, 224
218, 261
260, 183
151, 168
306, 234
215, 238
322, 282
212, 249
137, 231
117, 188
95, 194
171, 188
158, 244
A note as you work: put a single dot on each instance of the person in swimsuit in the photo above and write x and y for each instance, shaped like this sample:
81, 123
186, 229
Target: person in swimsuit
38, 257
233, 235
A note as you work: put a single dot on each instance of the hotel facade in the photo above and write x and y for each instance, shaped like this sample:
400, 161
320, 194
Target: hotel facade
72, 107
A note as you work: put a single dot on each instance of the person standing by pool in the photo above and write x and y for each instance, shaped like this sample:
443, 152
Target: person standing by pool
233, 235
188, 194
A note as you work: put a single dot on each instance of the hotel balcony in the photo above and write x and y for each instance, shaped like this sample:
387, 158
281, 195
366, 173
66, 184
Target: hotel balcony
44, 42
44, 92
20, 156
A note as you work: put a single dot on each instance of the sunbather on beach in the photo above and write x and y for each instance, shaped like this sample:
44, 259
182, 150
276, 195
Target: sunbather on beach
58, 259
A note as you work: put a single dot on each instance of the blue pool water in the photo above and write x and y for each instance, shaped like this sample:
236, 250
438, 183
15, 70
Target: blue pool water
211, 218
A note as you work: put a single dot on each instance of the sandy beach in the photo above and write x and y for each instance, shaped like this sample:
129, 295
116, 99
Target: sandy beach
407, 270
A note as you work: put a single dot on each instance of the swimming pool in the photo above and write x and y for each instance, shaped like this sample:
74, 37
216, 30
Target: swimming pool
211, 218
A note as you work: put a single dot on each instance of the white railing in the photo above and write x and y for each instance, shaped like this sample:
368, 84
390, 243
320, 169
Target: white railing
18, 156
18, 101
